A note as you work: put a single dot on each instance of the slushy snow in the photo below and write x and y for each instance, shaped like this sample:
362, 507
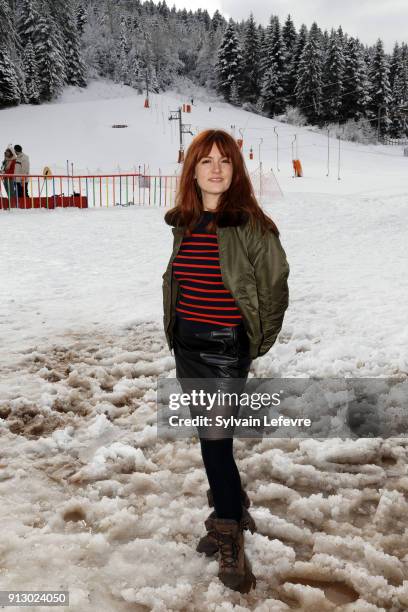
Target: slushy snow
92, 500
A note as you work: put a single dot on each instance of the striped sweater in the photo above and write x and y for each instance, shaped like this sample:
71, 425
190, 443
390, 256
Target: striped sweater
203, 299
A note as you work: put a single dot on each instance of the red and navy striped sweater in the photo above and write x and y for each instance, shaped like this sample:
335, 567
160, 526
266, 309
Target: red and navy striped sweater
203, 299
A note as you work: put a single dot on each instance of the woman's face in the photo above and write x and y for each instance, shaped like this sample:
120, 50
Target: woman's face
8, 154
214, 172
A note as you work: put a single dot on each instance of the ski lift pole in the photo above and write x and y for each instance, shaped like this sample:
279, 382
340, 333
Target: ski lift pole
328, 152
293, 157
338, 173
73, 187
277, 148
241, 133
68, 176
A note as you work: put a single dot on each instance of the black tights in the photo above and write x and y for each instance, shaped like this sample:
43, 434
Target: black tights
223, 477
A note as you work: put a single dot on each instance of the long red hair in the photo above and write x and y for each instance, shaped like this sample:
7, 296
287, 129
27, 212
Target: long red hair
239, 199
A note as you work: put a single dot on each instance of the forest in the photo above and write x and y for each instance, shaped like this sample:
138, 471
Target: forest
325, 77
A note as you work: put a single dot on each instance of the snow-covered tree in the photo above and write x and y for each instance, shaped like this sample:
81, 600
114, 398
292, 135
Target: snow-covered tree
31, 74
289, 36
49, 54
217, 21
273, 82
137, 79
356, 84
267, 44
380, 91
399, 99
228, 67
81, 18
7, 30
27, 22
9, 90
74, 66
309, 77
235, 98
333, 83
250, 73
293, 64
124, 66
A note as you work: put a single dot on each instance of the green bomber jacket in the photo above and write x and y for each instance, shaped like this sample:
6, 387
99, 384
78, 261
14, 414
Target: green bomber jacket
255, 271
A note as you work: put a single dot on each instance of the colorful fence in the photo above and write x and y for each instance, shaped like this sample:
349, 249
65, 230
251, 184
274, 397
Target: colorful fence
88, 191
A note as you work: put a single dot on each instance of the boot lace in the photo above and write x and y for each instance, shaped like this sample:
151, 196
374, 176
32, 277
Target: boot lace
229, 549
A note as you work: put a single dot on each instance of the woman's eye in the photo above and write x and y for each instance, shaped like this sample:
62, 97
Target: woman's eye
205, 161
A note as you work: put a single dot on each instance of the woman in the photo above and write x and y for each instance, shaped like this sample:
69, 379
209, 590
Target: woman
8, 166
224, 295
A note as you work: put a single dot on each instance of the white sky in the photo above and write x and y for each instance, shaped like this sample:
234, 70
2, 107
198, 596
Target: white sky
366, 19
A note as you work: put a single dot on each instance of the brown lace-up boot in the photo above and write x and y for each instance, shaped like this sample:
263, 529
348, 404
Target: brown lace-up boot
208, 543
234, 567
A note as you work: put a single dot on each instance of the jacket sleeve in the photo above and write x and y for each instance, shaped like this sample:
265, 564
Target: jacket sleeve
26, 166
271, 271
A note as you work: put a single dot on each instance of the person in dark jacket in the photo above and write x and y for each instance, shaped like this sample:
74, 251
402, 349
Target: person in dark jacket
8, 167
225, 294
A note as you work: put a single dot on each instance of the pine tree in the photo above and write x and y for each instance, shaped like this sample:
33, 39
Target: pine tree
395, 60
27, 22
31, 74
342, 37
49, 58
235, 98
356, 84
291, 76
7, 31
250, 88
228, 67
9, 92
308, 89
267, 45
404, 74
333, 84
81, 18
217, 21
137, 80
74, 66
380, 91
398, 125
289, 36
124, 67
273, 82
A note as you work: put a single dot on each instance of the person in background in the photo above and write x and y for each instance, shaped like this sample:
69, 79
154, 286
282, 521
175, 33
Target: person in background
22, 172
8, 167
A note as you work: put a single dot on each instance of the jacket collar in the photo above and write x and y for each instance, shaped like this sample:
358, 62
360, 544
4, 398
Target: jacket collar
226, 218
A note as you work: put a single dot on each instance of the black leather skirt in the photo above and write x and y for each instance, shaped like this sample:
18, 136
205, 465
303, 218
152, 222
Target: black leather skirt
215, 361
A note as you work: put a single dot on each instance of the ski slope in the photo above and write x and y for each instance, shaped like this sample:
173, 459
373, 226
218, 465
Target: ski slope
78, 128
93, 501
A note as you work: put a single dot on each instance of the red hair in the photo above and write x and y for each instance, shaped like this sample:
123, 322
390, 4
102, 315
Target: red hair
237, 201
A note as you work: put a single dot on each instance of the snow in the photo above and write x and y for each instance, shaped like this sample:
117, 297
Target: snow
91, 497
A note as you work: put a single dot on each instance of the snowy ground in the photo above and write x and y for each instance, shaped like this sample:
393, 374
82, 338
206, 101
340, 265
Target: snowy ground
93, 502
